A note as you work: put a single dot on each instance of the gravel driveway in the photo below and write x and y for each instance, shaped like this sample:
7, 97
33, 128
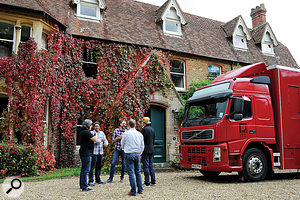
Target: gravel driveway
171, 185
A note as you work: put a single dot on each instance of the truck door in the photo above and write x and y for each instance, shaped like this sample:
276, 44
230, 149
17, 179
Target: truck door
240, 130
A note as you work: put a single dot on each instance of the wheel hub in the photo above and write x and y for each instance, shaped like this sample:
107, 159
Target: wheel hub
255, 165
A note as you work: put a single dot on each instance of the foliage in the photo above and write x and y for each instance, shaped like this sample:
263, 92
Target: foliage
126, 77
17, 160
193, 86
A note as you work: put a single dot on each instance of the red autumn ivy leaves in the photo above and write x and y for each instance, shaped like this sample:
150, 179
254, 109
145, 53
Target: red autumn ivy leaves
127, 75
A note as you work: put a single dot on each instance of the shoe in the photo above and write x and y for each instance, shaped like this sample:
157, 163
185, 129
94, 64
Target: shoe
87, 190
122, 180
147, 185
129, 193
140, 192
109, 181
91, 184
101, 182
152, 184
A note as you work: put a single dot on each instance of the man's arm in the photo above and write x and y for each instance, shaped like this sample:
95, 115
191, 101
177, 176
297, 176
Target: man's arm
105, 142
93, 137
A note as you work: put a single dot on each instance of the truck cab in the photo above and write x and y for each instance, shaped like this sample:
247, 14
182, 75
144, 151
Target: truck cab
229, 126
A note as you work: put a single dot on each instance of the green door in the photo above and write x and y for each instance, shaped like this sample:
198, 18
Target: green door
157, 116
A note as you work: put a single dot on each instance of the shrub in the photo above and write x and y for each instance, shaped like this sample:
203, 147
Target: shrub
17, 160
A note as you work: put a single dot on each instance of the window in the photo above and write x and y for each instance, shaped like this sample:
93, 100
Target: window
213, 71
46, 123
7, 35
247, 108
172, 24
177, 72
44, 41
89, 63
239, 39
3, 108
26, 33
88, 9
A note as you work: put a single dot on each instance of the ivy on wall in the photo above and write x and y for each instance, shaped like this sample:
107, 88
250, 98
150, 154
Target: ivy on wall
126, 77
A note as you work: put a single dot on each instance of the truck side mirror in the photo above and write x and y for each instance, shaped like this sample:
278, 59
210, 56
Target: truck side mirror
238, 105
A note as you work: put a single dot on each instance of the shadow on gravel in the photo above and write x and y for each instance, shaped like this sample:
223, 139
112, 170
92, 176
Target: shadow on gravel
234, 178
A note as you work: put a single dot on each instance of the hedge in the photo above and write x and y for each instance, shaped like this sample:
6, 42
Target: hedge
17, 160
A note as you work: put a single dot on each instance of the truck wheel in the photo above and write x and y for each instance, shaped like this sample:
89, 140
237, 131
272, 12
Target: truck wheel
255, 165
209, 174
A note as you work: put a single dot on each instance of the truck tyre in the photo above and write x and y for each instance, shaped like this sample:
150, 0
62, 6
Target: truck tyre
209, 174
255, 165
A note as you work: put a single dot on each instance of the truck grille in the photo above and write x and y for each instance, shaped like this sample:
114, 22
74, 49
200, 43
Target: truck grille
198, 135
201, 160
196, 149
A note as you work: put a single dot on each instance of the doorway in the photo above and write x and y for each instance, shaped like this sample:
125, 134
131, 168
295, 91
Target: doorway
158, 123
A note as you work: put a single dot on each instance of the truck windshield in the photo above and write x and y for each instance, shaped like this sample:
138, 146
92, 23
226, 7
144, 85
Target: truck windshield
204, 112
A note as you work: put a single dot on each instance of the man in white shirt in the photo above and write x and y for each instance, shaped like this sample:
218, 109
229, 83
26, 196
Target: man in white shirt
133, 144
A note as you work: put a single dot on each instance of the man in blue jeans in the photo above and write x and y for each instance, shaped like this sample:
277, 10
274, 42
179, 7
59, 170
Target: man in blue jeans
147, 156
117, 136
87, 140
133, 145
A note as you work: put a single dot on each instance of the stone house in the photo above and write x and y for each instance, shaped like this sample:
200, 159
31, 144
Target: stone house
201, 48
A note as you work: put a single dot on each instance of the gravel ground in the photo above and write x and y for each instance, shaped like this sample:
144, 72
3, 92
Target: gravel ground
171, 185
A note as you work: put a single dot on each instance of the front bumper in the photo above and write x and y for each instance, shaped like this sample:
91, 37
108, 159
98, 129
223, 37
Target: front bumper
201, 157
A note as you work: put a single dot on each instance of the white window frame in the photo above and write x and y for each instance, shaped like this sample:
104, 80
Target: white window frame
179, 33
42, 42
92, 4
181, 74
46, 123
14, 36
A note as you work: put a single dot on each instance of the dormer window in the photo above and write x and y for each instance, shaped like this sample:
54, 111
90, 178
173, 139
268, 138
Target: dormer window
267, 46
172, 23
89, 9
171, 17
237, 31
239, 38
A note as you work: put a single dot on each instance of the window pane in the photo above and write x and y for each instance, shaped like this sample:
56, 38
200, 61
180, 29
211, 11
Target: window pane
177, 66
213, 71
6, 31
44, 41
171, 26
90, 70
88, 10
178, 80
5, 48
25, 33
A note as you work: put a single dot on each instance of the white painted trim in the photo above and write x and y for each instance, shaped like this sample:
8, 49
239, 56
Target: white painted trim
179, 33
283, 67
179, 14
98, 12
184, 86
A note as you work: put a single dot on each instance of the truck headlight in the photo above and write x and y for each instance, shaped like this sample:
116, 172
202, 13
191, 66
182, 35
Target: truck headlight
217, 154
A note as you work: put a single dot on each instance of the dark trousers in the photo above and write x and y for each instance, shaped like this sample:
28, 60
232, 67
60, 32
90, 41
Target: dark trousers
147, 160
85, 168
96, 164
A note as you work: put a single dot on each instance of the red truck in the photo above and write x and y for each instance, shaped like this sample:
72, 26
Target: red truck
247, 120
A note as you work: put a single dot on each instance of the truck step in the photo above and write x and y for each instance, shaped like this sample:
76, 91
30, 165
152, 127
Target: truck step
276, 158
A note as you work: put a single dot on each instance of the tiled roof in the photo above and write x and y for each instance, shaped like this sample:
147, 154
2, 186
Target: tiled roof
258, 33
129, 21
160, 11
230, 26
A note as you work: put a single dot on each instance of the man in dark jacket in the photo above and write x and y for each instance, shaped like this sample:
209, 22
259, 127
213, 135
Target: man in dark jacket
87, 140
147, 156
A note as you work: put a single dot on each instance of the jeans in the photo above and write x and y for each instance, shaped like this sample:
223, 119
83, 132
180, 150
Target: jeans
115, 157
85, 169
96, 164
134, 172
147, 160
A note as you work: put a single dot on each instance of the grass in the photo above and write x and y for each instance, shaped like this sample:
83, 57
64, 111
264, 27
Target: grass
64, 172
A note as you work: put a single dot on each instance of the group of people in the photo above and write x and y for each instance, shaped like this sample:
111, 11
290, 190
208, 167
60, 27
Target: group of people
130, 144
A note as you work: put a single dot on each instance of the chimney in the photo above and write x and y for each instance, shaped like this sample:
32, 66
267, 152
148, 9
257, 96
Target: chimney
258, 15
